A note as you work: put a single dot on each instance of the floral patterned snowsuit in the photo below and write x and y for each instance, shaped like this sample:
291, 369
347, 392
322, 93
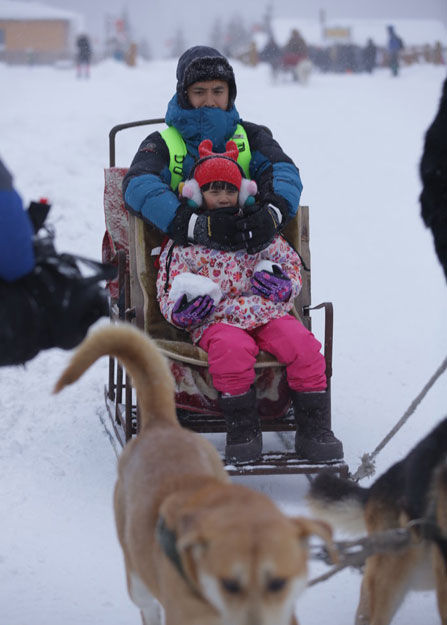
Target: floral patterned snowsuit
242, 322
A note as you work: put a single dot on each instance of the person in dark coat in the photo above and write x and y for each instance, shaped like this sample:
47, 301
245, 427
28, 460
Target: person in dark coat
203, 108
272, 54
44, 300
84, 56
294, 55
370, 56
295, 49
433, 171
395, 45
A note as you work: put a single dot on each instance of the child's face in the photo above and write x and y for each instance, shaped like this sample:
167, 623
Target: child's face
220, 198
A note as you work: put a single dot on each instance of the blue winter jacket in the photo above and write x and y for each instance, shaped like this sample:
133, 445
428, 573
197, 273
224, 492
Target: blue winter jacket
394, 42
16, 232
146, 185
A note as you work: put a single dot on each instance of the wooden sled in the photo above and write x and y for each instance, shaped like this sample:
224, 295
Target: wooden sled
131, 244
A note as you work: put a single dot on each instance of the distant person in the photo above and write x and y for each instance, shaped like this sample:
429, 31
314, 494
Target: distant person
370, 56
438, 58
131, 55
272, 54
296, 57
395, 45
253, 54
84, 56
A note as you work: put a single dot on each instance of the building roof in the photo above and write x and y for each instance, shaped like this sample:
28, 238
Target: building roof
414, 32
16, 10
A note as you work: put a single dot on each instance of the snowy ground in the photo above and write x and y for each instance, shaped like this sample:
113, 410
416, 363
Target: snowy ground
357, 140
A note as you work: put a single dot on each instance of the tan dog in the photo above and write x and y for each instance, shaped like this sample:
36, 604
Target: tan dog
210, 552
413, 489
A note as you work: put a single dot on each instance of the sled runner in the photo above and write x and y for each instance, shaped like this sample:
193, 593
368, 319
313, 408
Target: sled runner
134, 246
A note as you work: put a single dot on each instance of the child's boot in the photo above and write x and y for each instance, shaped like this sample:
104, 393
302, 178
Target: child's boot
314, 439
244, 435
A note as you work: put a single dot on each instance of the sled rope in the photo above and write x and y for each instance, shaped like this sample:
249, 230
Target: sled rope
367, 467
354, 553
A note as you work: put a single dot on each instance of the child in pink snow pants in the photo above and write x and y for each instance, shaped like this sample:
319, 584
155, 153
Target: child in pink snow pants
234, 304
232, 354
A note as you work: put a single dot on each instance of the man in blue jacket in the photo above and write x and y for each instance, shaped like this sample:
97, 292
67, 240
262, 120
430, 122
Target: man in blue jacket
395, 45
44, 300
203, 108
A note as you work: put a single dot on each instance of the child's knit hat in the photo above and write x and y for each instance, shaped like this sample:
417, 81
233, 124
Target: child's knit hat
218, 167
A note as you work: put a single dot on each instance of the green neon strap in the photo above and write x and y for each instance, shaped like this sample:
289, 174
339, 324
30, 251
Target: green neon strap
244, 158
177, 152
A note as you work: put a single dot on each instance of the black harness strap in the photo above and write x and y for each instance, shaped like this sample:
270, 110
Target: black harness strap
167, 539
430, 530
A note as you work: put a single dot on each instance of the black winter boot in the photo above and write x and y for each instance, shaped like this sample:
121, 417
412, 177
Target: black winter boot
244, 435
314, 438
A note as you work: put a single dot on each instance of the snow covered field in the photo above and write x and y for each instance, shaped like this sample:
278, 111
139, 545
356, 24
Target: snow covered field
357, 140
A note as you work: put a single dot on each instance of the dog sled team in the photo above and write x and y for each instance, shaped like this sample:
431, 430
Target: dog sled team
228, 278
205, 551
199, 549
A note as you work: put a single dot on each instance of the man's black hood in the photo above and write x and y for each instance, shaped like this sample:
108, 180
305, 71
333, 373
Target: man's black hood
203, 63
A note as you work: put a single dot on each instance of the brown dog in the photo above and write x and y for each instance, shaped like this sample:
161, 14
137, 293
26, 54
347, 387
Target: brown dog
412, 490
210, 552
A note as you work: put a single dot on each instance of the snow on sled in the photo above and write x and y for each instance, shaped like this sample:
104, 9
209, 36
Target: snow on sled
132, 244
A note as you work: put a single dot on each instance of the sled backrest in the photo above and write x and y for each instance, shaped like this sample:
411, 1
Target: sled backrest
116, 236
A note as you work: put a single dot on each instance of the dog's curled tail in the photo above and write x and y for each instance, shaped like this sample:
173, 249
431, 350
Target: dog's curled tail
338, 501
141, 357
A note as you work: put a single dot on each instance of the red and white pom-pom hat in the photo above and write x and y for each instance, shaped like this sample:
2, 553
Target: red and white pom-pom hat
217, 167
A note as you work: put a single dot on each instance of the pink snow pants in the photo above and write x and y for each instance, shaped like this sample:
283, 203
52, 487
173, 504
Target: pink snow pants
232, 354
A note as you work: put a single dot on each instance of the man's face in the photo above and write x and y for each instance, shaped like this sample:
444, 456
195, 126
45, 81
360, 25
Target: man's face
213, 93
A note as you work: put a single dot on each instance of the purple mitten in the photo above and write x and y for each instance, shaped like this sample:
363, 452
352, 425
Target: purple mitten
187, 314
275, 286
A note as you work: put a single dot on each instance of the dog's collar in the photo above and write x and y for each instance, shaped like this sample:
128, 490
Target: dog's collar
167, 539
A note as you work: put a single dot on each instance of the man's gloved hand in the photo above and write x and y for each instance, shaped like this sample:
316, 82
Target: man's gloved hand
262, 221
275, 286
216, 229
179, 228
219, 229
189, 314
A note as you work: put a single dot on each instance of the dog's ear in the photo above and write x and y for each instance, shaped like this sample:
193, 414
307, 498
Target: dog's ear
309, 527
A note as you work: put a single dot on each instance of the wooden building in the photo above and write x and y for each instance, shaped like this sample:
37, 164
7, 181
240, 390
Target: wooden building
31, 32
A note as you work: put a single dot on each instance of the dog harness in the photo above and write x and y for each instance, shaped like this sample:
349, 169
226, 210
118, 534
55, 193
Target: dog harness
167, 539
